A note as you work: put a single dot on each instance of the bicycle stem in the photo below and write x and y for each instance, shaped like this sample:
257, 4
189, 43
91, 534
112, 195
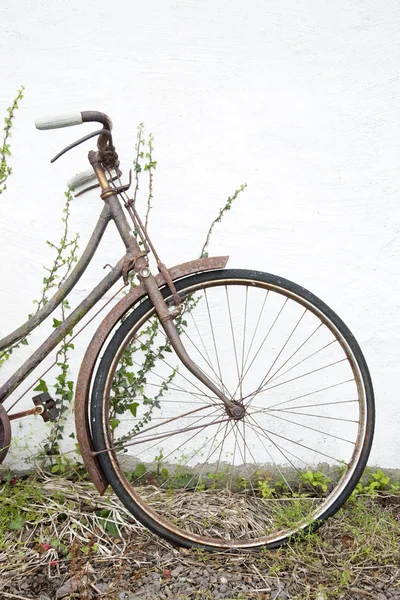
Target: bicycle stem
144, 274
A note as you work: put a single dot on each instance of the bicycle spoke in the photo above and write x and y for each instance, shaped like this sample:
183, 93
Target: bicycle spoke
269, 454
166, 421
170, 387
292, 412
165, 435
284, 454
301, 445
197, 451
234, 429
233, 339
211, 451
184, 442
336, 437
213, 336
263, 342
284, 461
282, 349
256, 329
268, 409
276, 376
266, 389
244, 331
200, 393
216, 470
329, 387
205, 360
243, 456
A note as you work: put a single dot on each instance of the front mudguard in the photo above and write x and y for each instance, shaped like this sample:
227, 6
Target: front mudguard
86, 371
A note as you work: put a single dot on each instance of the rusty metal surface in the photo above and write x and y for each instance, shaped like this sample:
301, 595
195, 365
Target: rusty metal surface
37, 410
167, 321
5, 433
88, 363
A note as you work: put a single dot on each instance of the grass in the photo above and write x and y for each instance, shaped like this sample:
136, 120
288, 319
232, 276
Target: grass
53, 531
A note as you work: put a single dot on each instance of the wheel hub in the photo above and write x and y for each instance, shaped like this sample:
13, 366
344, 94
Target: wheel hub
237, 411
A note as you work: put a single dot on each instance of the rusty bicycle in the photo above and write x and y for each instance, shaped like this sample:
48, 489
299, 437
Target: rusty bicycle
228, 409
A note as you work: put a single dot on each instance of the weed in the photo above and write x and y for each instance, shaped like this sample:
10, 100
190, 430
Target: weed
17, 497
5, 169
315, 480
265, 489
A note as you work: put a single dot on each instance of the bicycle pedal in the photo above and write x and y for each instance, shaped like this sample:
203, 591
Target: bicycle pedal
50, 411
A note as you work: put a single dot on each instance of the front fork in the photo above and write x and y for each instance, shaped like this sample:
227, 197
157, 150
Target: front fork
167, 316
138, 262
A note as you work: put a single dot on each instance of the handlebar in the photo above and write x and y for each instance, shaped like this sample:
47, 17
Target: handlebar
81, 179
59, 121
68, 120
77, 118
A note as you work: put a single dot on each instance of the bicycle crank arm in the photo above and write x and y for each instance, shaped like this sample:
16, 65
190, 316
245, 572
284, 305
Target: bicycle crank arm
38, 410
44, 406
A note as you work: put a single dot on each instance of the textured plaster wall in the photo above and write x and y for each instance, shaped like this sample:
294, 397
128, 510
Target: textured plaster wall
299, 100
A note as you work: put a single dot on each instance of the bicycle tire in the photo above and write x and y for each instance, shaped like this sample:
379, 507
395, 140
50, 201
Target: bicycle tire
258, 502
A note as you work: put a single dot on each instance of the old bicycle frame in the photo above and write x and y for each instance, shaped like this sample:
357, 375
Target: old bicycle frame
266, 430
135, 259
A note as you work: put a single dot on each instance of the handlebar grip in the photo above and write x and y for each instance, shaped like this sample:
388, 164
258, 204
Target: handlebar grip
60, 121
81, 179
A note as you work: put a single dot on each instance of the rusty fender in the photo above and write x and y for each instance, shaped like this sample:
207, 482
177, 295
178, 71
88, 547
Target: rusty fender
92, 353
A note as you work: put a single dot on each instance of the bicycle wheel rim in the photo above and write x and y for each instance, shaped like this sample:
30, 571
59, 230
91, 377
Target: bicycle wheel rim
139, 504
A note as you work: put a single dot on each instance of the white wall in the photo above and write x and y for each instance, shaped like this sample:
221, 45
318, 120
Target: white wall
299, 100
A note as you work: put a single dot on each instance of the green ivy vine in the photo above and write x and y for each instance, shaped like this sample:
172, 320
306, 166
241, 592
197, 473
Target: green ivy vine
5, 153
129, 385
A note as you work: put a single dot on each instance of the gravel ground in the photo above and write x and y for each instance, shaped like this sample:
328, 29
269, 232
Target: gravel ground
66, 553
169, 573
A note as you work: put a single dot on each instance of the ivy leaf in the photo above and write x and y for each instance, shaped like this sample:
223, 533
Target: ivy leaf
133, 408
16, 523
139, 470
41, 387
114, 423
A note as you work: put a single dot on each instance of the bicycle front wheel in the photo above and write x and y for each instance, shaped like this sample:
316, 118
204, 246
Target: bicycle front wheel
189, 471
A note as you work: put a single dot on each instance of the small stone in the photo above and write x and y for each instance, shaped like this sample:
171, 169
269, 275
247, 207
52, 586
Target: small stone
279, 595
70, 586
175, 572
223, 580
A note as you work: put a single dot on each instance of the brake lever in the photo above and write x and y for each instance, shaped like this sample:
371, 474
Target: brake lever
84, 139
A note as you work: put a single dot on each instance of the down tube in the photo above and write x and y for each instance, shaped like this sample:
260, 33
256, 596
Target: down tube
64, 290
59, 334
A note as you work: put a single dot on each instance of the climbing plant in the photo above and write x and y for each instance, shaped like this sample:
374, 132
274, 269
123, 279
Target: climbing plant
129, 382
